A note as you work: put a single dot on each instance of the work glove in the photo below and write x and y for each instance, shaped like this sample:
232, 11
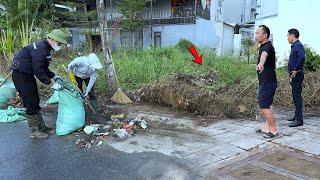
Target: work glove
57, 79
85, 95
51, 83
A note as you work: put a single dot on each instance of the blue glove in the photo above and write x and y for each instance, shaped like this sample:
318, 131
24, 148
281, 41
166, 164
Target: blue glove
57, 79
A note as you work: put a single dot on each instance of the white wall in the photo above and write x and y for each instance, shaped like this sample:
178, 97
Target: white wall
297, 14
206, 35
171, 34
228, 36
232, 10
268, 7
237, 40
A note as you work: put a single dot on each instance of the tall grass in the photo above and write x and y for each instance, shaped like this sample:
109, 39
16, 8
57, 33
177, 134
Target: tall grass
24, 32
7, 40
138, 67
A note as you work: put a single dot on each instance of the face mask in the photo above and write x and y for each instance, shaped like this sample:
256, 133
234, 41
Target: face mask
55, 47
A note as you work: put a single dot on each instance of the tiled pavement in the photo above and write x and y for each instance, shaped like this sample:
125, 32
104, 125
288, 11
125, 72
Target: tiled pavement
212, 147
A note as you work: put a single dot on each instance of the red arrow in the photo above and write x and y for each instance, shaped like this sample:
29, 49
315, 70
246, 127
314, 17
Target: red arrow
197, 58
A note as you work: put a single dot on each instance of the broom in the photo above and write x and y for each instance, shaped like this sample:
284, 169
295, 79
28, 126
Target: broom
119, 96
6, 78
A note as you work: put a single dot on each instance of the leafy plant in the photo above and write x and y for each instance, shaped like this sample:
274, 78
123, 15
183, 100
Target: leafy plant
312, 61
24, 32
131, 11
7, 40
247, 44
184, 44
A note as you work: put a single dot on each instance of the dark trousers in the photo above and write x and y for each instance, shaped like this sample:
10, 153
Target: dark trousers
296, 84
92, 94
26, 85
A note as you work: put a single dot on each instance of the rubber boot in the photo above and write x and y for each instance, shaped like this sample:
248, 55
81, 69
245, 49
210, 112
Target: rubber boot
94, 108
94, 105
33, 122
42, 126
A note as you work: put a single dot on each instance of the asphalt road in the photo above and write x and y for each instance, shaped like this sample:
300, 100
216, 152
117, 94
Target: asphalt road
59, 158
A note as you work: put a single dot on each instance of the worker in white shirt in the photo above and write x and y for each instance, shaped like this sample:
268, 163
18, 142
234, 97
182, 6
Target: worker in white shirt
85, 68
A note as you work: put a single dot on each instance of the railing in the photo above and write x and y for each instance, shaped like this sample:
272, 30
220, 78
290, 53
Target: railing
157, 13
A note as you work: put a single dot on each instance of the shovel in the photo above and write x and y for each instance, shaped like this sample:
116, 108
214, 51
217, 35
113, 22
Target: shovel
6, 78
73, 80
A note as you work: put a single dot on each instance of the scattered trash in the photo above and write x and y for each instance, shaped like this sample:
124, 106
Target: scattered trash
121, 133
119, 128
99, 143
85, 143
97, 129
144, 124
117, 116
16, 101
90, 130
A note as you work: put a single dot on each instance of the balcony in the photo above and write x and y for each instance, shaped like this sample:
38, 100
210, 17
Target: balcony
175, 15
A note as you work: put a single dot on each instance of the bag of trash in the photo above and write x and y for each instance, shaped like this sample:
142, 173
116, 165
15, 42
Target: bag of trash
12, 114
54, 99
71, 113
7, 91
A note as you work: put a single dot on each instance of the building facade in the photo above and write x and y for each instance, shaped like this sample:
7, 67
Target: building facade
168, 21
282, 15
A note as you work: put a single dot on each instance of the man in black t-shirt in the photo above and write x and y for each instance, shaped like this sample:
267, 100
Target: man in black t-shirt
267, 80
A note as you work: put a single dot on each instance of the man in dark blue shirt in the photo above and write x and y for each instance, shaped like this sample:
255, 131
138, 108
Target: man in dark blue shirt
295, 69
33, 61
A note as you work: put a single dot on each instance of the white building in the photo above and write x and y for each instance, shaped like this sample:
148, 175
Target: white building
282, 15
242, 13
168, 21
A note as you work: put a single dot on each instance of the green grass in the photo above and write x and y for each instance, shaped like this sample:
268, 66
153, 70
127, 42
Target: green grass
144, 66
138, 67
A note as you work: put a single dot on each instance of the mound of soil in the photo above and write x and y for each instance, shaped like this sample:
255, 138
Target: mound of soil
192, 94
239, 100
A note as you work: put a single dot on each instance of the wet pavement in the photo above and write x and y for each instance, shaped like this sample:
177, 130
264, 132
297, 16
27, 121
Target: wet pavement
208, 149
59, 158
228, 149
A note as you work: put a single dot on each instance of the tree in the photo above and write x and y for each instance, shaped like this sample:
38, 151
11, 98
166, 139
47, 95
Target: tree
38, 11
131, 19
247, 44
110, 70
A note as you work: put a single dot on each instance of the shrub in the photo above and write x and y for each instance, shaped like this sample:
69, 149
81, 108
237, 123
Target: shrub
312, 61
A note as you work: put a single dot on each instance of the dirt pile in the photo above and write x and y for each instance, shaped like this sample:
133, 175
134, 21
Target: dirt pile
193, 94
310, 92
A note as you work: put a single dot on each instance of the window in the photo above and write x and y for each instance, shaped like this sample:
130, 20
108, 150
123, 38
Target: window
157, 39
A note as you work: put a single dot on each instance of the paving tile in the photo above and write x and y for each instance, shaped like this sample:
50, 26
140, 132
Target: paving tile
244, 130
253, 134
225, 151
287, 130
312, 148
314, 121
314, 129
252, 124
289, 141
201, 159
247, 143
211, 131
228, 137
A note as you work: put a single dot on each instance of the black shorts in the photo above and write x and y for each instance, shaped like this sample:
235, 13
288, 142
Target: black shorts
266, 94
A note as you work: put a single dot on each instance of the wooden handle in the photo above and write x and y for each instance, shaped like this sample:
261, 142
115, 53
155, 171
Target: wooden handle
5, 79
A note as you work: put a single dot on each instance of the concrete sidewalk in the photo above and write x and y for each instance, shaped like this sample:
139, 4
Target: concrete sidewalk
206, 149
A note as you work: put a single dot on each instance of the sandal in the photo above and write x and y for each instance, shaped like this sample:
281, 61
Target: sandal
260, 131
270, 135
